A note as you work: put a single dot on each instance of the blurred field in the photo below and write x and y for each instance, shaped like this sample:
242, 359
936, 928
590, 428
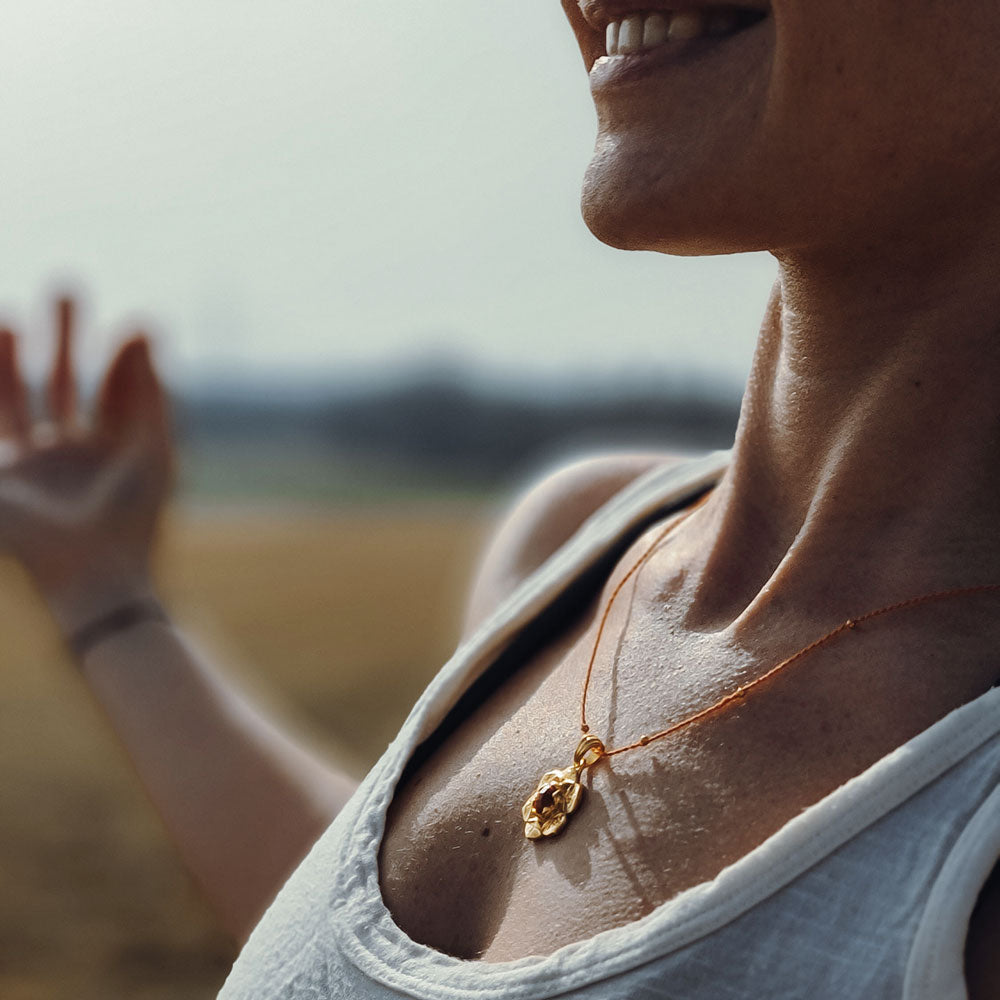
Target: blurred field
343, 616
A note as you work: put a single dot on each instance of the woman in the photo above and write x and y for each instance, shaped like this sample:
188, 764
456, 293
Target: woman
824, 828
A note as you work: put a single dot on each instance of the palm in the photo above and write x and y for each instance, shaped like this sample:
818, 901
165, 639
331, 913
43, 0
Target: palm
76, 503
62, 474
76, 481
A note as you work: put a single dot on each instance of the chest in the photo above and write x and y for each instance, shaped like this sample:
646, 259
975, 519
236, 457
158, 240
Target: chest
457, 872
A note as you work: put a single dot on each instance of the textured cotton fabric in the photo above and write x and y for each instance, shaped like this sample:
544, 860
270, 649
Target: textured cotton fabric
866, 894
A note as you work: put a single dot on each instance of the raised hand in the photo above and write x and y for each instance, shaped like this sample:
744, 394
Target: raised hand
80, 499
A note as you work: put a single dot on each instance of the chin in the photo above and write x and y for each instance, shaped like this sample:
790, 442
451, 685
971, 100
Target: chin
616, 223
626, 219
639, 198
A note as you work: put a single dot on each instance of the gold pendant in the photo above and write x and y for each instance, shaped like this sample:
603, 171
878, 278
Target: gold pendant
559, 792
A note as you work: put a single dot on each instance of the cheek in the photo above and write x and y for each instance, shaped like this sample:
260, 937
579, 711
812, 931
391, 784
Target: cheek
834, 84
883, 112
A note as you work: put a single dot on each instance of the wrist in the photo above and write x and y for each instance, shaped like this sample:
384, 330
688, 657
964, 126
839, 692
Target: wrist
78, 605
116, 621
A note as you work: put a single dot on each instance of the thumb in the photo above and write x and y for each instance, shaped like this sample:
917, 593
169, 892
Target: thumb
132, 403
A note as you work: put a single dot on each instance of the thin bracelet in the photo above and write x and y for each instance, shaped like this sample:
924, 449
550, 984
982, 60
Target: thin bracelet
120, 619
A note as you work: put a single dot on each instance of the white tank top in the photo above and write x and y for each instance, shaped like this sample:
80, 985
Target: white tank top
866, 894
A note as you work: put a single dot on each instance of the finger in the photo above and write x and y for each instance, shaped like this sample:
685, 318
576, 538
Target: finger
62, 381
132, 403
14, 421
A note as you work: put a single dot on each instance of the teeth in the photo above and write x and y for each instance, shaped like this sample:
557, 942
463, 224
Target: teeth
656, 30
611, 41
639, 32
630, 34
686, 24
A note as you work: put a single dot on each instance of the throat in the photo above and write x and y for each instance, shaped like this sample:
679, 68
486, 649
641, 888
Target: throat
847, 464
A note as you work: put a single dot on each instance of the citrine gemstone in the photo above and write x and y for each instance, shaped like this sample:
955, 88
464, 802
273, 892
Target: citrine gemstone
545, 799
555, 797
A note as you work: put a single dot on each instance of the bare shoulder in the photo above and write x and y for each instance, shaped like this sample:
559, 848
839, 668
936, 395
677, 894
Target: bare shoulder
982, 957
546, 516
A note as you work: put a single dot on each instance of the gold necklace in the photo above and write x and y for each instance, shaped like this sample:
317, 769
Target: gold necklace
560, 791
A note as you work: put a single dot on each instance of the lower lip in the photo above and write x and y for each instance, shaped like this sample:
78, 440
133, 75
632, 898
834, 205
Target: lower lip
617, 71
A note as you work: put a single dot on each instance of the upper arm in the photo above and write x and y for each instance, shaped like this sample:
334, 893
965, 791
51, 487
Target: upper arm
546, 516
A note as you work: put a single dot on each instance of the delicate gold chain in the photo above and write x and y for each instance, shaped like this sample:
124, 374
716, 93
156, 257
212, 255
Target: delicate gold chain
559, 791
584, 728
742, 690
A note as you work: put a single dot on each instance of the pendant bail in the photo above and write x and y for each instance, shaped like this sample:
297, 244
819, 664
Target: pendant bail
588, 752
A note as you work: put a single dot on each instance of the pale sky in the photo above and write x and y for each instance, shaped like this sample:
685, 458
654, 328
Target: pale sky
302, 187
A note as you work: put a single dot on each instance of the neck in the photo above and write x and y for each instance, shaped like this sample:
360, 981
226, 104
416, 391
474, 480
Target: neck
867, 460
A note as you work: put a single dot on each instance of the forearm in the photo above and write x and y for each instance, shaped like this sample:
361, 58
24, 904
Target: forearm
242, 799
80, 503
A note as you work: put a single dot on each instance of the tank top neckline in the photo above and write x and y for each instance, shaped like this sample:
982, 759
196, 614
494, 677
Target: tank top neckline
363, 926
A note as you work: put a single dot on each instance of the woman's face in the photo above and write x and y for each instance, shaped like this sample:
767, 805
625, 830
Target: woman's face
815, 123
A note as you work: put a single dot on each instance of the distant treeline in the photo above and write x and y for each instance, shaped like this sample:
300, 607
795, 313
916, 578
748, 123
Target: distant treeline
468, 432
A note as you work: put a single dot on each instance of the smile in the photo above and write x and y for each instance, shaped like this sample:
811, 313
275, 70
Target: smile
643, 31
